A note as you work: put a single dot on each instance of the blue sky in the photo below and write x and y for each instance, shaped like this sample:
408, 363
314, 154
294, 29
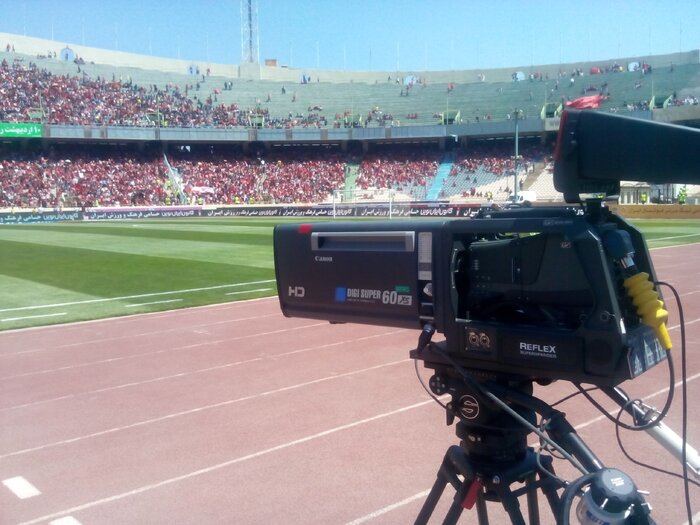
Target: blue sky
410, 35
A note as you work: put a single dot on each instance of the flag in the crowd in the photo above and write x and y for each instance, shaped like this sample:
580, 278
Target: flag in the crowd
592, 101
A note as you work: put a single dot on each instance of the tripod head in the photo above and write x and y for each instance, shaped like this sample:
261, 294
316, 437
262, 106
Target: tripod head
495, 414
487, 432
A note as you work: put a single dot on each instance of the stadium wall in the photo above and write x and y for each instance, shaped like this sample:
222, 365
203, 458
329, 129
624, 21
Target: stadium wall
657, 211
376, 210
296, 135
41, 47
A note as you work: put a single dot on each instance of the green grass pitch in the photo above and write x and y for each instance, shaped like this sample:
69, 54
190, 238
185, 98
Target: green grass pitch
57, 273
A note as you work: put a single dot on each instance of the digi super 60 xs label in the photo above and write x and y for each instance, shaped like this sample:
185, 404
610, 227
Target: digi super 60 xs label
399, 296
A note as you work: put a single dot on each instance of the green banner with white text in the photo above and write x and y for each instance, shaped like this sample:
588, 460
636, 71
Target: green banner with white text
9, 129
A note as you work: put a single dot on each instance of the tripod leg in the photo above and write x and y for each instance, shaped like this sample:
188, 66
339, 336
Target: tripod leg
456, 469
447, 473
454, 463
431, 501
511, 506
454, 513
533, 509
469, 493
550, 486
481, 511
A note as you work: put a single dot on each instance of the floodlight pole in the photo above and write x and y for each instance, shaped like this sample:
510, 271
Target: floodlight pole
515, 174
447, 108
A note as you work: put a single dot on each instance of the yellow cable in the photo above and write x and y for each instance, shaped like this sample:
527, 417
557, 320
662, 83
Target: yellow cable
649, 307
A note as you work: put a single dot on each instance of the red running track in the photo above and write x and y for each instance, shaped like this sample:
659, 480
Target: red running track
233, 414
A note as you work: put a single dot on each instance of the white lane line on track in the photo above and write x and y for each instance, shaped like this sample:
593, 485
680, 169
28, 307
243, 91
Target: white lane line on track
21, 488
125, 335
233, 461
138, 296
677, 326
249, 291
677, 237
389, 508
133, 305
681, 246
197, 410
10, 319
123, 319
197, 371
155, 352
68, 520
132, 384
94, 363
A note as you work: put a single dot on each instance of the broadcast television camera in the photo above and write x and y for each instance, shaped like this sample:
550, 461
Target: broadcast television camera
521, 295
533, 292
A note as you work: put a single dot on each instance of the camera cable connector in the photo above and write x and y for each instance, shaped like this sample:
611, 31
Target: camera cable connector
425, 337
618, 244
649, 307
645, 299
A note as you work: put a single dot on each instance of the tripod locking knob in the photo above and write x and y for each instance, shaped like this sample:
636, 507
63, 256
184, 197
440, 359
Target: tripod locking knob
609, 499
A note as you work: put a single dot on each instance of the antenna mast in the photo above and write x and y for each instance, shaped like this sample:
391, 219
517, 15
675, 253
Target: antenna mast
249, 32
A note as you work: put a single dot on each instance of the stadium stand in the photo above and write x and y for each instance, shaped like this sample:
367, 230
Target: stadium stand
51, 91
106, 176
281, 177
406, 170
57, 90
78, 178
486, 170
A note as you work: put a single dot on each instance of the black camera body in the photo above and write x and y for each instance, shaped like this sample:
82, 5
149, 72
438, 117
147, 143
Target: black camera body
533, 292
529, 292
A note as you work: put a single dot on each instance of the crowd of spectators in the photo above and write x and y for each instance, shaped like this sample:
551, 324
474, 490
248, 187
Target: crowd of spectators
77, 179
496, 164
217, 178
497, 158
278, 177
398, 168
303, 178
484, 163
81, 176
687, 100
26, 89
29, 93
